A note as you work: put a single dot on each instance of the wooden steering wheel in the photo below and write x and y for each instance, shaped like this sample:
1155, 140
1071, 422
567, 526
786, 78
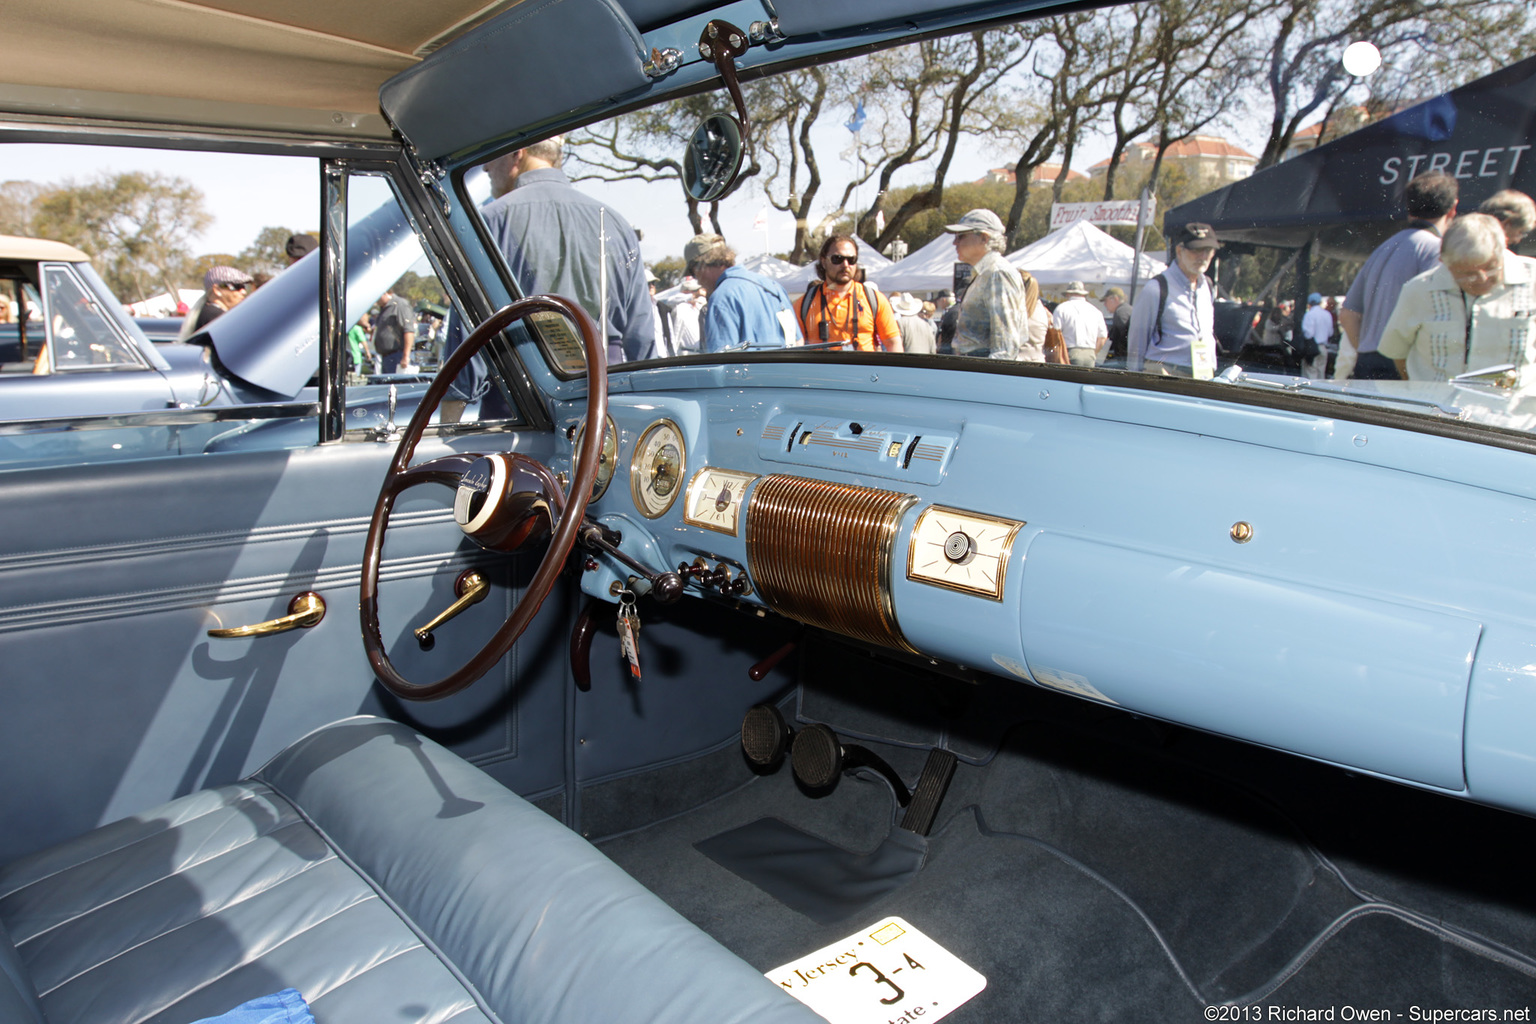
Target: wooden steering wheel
502, 500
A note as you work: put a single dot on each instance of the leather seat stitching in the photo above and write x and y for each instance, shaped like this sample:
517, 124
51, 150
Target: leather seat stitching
253, 959
469, 1003
246, 796
208, 860
187, 924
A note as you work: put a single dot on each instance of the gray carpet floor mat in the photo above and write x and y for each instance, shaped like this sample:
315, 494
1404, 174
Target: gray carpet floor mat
1094, 869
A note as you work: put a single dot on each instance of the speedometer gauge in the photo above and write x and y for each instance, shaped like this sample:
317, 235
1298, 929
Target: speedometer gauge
656, 470
608, 460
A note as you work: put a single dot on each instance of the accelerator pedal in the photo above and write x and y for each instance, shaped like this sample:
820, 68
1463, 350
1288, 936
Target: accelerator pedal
929, 792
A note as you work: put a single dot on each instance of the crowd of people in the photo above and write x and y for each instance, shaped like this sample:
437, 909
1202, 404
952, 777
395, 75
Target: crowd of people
556, 238
1443, 297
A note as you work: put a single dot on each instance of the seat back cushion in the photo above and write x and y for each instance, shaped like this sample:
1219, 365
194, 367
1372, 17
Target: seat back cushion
18, 1002
543, 926
381, 876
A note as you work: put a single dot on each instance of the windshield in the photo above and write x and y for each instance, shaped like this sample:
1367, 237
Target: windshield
1319, 198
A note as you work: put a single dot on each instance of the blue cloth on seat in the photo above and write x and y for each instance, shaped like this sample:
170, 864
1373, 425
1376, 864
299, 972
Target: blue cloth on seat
285, 1007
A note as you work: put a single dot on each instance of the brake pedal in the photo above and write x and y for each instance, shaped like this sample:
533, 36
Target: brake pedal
765, 738
818, 759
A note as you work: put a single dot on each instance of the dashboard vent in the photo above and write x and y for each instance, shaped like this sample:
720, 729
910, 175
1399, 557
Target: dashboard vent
821, 553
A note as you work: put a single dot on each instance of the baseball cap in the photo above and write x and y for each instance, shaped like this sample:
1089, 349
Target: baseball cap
984, 221
1113, 293
699, 246
1196, 235
1315, 299
225, 275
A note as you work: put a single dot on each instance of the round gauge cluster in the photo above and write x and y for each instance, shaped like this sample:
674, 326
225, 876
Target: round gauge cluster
608, 461
657, 468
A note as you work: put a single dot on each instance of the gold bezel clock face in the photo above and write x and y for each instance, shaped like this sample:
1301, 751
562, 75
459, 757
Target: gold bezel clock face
657, 467
714, 499
964, 551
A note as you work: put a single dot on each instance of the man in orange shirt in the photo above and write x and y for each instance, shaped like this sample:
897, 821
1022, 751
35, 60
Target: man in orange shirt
839, 307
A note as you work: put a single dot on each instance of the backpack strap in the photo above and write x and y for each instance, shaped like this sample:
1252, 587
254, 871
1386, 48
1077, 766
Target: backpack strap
872, 295
805, 300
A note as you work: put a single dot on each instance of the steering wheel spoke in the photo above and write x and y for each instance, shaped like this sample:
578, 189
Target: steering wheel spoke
501, 500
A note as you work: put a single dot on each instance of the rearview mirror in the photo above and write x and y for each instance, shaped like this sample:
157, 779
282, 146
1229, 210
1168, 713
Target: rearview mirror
713, 157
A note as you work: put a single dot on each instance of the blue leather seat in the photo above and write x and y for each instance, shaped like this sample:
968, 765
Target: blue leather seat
380, 875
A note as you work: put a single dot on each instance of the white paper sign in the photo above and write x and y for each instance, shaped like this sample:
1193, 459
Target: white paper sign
1118, 211
886, 974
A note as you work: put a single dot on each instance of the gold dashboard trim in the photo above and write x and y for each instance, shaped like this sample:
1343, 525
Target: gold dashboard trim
821, 553
635, 468
1004, 552
747, 480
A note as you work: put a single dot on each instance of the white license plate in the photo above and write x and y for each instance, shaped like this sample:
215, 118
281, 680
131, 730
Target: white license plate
890, 973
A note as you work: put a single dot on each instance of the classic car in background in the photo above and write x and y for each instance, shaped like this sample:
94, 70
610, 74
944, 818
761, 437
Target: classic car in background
78, 354
791, 681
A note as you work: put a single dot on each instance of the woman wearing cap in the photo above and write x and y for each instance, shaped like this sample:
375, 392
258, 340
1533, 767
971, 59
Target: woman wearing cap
997, 318
223, 290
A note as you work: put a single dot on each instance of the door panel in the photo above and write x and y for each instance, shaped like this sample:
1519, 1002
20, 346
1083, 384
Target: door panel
113, 697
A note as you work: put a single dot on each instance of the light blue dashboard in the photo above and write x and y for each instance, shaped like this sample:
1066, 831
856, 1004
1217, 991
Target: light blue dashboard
1270, 575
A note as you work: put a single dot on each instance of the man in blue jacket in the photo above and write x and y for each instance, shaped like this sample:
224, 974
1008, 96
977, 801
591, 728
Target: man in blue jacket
746, 309
557, 239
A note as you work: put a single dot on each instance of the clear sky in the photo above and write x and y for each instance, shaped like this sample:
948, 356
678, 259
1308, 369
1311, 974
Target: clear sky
243, 193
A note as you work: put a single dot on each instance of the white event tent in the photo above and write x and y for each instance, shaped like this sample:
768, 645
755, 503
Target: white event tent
771, 266
1077, 252
1082, 252
929, 269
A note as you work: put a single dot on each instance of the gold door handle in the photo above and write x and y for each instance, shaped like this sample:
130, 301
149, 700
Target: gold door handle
304, 611
471, 588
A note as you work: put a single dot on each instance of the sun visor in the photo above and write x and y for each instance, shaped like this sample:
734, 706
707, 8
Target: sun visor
515, 71
272, 339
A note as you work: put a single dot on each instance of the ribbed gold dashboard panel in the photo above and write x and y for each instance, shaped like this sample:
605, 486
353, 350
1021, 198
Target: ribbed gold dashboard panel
821, 553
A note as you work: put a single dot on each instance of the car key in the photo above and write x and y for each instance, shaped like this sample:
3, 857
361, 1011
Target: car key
629, 632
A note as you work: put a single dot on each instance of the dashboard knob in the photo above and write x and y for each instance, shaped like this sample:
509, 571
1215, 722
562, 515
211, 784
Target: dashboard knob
958, 546
667, 587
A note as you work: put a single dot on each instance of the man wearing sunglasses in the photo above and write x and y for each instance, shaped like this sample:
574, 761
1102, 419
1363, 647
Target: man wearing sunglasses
223, 289
837, 307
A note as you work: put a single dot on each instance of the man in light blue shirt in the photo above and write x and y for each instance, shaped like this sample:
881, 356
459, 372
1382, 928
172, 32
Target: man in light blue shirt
746, 310
1173, 324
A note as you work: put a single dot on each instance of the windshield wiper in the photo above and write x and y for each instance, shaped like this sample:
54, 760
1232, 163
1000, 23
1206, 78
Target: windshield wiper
1501, 375
1234, 375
